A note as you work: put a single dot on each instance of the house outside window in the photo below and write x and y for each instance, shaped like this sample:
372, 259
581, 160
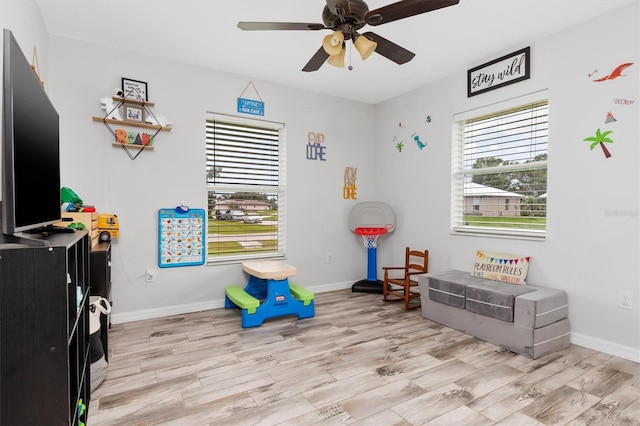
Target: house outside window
499, 182
246, 189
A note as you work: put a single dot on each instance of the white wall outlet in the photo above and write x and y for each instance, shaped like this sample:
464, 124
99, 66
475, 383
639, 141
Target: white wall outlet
329, 257
625, 299
150, 275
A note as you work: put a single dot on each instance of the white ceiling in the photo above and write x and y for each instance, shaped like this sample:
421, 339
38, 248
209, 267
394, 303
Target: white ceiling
204, 33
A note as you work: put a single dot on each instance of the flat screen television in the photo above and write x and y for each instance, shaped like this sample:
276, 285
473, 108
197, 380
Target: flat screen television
30, 146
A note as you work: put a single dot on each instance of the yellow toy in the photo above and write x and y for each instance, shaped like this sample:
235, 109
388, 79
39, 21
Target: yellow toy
108, 226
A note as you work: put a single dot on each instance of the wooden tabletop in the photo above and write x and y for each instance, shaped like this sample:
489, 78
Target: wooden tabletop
269, 269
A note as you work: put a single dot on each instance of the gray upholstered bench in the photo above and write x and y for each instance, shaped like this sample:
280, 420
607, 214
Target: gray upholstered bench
529, 320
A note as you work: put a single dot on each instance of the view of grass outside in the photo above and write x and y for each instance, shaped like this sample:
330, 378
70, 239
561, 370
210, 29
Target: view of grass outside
514, 222
235, 237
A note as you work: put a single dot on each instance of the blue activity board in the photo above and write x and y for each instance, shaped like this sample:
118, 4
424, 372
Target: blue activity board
181, 237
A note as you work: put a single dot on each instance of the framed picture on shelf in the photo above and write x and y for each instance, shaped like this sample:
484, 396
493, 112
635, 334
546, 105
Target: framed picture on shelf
133, 113
134, 89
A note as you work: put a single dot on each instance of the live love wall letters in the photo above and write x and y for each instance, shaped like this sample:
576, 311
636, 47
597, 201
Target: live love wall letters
500, 72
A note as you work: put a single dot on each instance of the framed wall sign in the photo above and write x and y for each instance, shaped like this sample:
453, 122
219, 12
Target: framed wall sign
500, 72
133, 113
135, 89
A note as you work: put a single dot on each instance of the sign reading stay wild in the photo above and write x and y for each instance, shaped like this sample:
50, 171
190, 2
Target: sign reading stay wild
500, 72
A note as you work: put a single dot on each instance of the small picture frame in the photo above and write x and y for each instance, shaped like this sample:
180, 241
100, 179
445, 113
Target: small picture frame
133, 113
134, 89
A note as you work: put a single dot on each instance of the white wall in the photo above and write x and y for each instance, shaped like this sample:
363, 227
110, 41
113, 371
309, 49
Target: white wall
589, 251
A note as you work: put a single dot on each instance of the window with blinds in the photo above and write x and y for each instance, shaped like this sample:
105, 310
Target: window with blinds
500, 157
246, 191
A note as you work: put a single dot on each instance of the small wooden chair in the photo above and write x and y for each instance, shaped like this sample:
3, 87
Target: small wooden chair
396, 288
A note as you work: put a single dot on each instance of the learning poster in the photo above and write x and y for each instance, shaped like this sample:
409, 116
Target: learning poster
181, 237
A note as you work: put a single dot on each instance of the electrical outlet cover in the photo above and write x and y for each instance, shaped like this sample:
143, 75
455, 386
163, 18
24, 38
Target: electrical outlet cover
625, 299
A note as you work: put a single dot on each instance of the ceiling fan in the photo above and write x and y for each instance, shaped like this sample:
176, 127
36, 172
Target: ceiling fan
345, 18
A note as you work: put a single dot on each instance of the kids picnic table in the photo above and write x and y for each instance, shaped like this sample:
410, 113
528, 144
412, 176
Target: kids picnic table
269, 293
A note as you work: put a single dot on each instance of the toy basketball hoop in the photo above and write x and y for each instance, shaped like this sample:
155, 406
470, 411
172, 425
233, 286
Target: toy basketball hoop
370, 236
370, 220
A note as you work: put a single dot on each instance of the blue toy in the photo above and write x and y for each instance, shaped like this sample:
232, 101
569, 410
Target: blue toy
269, 294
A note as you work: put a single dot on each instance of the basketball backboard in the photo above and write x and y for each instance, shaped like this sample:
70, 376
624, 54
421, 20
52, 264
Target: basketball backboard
372, 214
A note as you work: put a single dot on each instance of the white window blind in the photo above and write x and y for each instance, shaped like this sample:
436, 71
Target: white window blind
500, 157
245, 179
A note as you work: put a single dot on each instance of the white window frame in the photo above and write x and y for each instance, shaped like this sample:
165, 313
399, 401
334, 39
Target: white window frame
279, 189
460, 175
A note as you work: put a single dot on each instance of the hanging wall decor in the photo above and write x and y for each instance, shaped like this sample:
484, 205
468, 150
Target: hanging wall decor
250, 106
617, 72
349, 190
315, 151
610, 118
134, 89
399, 145
181, 237
419, 143
600, 138
35, 66
417, 139
131, 111
507, 69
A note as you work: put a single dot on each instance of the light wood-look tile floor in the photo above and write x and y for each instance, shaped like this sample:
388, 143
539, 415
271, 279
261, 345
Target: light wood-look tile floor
358, 361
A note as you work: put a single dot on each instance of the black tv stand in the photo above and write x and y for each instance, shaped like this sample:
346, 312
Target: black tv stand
50, 229
23, 239
35, 237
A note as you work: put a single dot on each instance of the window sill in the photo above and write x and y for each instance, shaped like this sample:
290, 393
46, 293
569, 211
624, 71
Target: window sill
516, 234
213, 261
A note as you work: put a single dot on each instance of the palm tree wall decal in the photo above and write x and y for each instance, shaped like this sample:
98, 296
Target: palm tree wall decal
600, 138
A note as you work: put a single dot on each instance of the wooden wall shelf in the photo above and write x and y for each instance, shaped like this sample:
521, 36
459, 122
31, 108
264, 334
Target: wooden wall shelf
133, 101
131, 145
130, 123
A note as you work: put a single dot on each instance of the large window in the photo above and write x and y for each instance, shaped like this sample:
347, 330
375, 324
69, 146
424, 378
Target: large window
246, 188
499, 168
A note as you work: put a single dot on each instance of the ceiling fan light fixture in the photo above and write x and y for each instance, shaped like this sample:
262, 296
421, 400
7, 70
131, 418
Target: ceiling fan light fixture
365, 46
332, 43
337, 60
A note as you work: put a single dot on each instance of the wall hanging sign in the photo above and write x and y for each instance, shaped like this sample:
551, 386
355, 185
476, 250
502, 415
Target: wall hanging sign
349, 191
500, 72
315, 151
250, 106
134, 89
181, 237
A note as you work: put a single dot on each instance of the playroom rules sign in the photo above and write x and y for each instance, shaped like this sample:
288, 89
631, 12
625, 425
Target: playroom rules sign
500, 72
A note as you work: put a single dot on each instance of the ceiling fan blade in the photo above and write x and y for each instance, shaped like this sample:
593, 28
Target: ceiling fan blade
404, 9
316, 60
271, 26
389, 49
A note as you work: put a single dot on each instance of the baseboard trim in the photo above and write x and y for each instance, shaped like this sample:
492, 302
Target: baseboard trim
166, 311
615, 349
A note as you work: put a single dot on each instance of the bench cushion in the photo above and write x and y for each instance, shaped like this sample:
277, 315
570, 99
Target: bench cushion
449, 288
494, 299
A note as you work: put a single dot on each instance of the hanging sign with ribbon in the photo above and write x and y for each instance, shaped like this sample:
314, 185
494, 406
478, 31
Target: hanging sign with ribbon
250, 106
